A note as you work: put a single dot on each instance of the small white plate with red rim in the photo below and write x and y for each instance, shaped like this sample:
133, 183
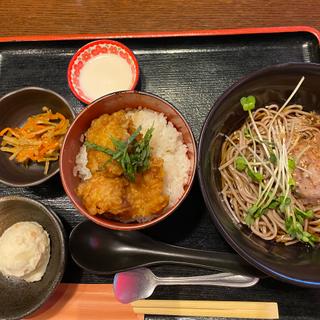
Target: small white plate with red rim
102, 67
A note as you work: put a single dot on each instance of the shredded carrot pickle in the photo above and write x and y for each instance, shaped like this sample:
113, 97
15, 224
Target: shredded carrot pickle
38, 140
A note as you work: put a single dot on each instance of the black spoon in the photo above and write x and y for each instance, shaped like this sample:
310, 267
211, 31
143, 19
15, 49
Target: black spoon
104, 251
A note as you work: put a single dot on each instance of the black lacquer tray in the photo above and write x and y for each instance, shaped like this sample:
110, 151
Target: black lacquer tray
190, 71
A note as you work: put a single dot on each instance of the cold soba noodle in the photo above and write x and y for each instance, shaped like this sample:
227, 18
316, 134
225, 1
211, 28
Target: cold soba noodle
270, 171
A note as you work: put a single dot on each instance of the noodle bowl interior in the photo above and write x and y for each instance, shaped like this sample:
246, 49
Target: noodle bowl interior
270, 173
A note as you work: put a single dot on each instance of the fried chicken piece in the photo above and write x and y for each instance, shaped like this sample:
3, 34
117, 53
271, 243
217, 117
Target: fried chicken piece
145, 195
102, 194
100, 132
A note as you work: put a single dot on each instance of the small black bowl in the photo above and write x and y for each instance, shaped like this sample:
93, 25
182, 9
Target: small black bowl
295, 264
15, 108
19, 298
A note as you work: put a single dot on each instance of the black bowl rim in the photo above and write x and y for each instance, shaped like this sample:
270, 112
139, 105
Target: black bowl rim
59, 226
192, 174
227, 237
39, 181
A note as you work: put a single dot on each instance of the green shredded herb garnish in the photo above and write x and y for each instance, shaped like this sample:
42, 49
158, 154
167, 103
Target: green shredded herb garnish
249, 220
295, 230
291, 164
255, 176
291, 182
253, 213
273, 158
240, 163
132, 155
304, 214
284, 202
273, 204
248, 103
247, 133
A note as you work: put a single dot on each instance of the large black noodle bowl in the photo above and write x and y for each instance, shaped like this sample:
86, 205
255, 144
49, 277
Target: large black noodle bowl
297, 264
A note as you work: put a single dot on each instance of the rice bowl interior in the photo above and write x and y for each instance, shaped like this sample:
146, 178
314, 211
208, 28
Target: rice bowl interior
166, 144
109, 104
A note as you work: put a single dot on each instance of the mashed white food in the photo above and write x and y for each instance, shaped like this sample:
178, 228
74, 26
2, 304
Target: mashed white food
24, 251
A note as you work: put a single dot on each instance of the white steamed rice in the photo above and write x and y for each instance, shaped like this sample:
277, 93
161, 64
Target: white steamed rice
81, 164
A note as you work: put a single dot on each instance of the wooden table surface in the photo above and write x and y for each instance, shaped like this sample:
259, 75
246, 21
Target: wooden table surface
37, 17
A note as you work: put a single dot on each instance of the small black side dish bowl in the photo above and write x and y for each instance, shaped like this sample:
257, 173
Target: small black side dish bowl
15, 108
296, 264
19, 298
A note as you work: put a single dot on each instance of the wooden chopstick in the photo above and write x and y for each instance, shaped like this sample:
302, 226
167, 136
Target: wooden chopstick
235, 309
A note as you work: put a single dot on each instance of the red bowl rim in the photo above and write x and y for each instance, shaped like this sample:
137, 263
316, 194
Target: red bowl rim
115, 225
90, 44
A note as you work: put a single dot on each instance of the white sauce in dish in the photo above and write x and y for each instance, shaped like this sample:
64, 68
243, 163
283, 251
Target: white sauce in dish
104, 74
